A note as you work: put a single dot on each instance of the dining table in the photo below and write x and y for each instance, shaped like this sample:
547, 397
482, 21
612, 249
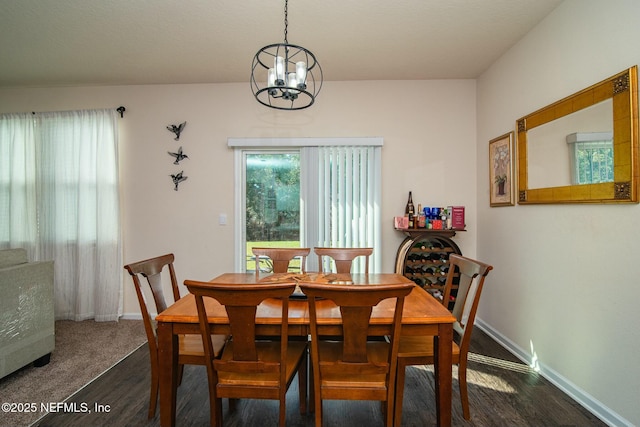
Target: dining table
423, 315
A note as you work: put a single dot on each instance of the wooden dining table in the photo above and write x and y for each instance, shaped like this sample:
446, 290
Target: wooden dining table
422, 315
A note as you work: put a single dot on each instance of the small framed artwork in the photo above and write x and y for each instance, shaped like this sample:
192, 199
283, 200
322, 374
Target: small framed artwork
501, 174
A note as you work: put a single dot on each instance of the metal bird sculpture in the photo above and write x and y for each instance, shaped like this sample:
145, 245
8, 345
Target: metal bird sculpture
179, 156
177, 179
177, 130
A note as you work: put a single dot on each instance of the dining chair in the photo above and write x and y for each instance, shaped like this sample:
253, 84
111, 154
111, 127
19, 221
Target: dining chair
342, 258
190, 350
281, 258
250, 367
416, 350
353, 368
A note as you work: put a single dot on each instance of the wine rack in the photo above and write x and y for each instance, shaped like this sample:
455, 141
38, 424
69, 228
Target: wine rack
424, 258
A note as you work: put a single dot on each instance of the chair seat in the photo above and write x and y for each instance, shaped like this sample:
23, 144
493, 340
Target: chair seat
331, 351
268, 351
190, 345
422, 347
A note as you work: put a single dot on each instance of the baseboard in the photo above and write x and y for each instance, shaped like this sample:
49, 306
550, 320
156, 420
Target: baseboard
580, 396
131, 316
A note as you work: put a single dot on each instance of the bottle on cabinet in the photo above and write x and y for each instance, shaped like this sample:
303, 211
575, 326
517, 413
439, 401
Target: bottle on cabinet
409, 211
422, 219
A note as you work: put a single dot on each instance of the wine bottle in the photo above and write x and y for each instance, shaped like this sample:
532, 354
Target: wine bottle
409, 209
428, 270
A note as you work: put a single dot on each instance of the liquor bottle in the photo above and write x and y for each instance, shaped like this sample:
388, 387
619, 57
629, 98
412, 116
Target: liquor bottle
409, 211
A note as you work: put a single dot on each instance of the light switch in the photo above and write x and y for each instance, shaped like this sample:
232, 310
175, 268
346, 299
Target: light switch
222, 219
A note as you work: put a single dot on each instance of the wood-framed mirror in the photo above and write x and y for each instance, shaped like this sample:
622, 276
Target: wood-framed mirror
583, 148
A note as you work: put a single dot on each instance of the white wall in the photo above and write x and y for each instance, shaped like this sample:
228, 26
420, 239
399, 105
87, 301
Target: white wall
428, 129
564, 286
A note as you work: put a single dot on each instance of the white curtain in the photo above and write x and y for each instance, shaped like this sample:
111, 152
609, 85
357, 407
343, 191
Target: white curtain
75, 209
18, 224
342, 202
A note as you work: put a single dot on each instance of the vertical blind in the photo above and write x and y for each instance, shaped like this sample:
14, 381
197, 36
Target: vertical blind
349, 208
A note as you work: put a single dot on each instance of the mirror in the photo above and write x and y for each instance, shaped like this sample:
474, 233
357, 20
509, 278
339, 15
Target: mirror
583, 148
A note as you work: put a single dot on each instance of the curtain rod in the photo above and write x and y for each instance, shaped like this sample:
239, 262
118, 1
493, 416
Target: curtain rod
120, 110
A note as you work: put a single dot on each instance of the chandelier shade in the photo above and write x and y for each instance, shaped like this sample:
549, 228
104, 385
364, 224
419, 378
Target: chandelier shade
285, 76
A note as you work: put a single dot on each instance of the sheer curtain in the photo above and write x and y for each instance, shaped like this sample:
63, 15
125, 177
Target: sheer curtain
18, 224
76, 208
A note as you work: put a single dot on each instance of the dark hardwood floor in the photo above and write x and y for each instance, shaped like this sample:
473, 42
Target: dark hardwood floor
502, 392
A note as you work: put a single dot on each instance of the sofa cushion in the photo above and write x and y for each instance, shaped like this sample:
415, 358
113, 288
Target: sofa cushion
9, 257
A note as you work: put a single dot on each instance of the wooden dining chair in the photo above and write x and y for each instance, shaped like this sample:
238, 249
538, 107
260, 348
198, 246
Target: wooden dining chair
249, 367
342, 258
190, 350
281, 258
353, 368
416, 350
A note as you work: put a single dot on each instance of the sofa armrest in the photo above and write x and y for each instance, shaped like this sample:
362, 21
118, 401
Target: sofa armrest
10, 257
27, 320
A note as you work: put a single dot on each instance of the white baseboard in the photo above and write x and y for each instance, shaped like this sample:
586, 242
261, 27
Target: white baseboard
580, 396
131, 316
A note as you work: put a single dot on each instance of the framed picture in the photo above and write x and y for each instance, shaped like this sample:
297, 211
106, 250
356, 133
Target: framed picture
501, 174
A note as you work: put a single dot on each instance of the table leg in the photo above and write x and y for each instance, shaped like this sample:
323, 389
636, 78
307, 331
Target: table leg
443, 368
168, 373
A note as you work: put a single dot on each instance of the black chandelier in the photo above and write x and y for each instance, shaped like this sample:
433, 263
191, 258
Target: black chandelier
288, 76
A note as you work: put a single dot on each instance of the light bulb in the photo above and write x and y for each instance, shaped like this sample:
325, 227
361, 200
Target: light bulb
271, 77
292, 82
301, 74
271, 81
280, 73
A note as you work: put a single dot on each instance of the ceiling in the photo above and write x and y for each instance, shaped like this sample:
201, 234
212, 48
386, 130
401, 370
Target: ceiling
124, 42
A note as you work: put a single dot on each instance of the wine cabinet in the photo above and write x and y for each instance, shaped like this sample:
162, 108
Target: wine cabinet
424, 258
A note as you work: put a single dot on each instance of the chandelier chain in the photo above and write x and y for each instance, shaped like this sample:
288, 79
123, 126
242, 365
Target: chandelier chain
286, 20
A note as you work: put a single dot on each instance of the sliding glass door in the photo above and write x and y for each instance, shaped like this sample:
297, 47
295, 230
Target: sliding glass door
271, 200
307, 193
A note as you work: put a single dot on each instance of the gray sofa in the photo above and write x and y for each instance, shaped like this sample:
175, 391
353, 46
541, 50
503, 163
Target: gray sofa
27, 322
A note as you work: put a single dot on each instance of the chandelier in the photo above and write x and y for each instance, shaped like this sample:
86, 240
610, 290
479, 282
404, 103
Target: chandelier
283, 75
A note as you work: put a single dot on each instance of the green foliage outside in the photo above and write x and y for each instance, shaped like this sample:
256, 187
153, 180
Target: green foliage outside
273, 197
595, 165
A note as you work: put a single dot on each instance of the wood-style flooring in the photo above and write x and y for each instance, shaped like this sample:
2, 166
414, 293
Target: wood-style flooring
502, 392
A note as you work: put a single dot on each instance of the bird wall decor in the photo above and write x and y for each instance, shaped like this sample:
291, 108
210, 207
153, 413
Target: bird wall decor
177, 130
177, 179
179, 156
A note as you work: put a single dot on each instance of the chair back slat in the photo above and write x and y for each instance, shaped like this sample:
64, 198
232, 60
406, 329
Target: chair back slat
280, 258
342, 258
355, 322
471, 275
151, 270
